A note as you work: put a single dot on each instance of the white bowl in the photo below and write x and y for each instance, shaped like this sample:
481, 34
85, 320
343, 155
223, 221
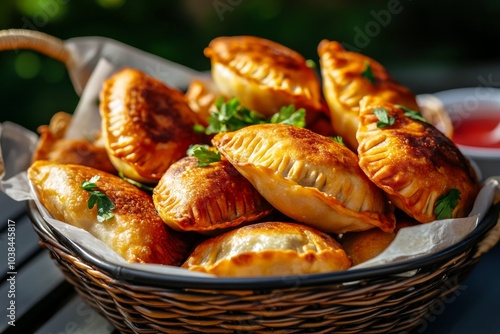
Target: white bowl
465, 105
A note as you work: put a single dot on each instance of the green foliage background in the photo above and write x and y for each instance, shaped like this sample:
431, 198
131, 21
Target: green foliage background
424, 44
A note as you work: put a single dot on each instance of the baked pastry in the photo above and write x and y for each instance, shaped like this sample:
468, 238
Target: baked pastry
201, 97
433, 110
136, 232
365, 245
263, 75
308, 177
52, 146
207, 199
146, 125
347, 78
412, 161
267, 249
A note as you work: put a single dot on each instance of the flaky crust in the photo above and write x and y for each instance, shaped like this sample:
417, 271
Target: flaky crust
146, 125
365, 245
207, 199
267, 249
201, 97
344, 87
263, 75
308, 177
136, 232
52, 146
413, 162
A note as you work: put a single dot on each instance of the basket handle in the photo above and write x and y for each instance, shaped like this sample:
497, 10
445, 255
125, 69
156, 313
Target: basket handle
14, 39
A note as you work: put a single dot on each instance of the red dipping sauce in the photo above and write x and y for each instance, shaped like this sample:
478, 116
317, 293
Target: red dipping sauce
475, 131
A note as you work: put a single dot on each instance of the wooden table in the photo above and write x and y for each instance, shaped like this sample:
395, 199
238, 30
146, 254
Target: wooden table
45, 303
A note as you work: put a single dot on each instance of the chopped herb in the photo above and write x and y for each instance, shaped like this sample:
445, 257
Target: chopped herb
231, 116
310, 63
368, 73
412, 113
198, 128
104, 204
383, 117
446, 203
338, 139
288, 115
204, 154
135, 183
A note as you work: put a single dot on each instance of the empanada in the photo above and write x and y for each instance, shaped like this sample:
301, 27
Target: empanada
267, 249
207, 199
365, 245
346, 81
412, 161
52, 146
201, 97
433, 110
136, 232
263, 75
308, 177
146, 125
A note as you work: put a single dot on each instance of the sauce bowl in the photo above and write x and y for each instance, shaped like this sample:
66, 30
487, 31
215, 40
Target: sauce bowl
475, 114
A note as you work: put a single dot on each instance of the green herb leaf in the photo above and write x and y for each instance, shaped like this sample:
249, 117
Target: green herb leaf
288, 115
139, 185
311, 63
104, 204
231, 116
383, 117
412, 113
368, 74
204, 154
338, 139
198, 128
90, 184
446, 203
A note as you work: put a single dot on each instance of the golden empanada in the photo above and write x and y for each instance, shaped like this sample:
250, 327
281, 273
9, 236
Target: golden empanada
52, 146
308, 177
433, 110
263, 75
268, 249
136, 232
365, 245
207, 199
412, 161
146, 125
346, 80
201, 97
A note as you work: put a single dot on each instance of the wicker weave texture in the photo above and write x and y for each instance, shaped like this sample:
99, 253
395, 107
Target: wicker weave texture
385, 305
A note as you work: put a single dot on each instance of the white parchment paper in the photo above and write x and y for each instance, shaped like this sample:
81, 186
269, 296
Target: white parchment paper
18, 145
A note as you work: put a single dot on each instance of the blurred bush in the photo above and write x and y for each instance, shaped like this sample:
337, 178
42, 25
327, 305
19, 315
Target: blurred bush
400, 34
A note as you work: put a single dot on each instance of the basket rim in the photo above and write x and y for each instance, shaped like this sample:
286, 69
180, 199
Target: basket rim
150, 279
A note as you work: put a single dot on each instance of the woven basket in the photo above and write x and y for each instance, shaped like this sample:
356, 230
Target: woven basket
374, 300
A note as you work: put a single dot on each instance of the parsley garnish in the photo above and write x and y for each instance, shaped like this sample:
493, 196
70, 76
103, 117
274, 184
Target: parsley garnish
338, 139
135, 183
311, 63
204, 154
104, 204
288, 115
231, 116
446, 203
368, 73
383, 117
411, 113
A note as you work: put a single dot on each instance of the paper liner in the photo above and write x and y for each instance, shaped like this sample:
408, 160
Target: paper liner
18, 145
